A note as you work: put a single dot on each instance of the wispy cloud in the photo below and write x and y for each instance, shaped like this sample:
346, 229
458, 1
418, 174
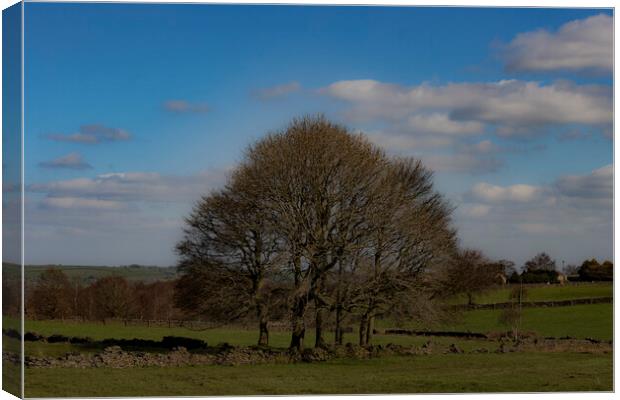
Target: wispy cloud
141, 211
589, 190
134, 187
77, 203
184, 106
445, 153
580, 45
575, 134
395, 142
70, 161
476, 210
278, 91
543, 217
91, 134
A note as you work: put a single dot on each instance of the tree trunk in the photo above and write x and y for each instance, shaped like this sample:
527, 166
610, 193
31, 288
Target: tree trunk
263, 322
338, 330
363, 330
297, 335
298, 326
370, 326
316, 287
298, 330
263, 337
319, 319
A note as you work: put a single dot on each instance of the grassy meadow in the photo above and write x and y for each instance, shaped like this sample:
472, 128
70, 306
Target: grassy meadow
436, 373
462, 373
542, 292
581, 321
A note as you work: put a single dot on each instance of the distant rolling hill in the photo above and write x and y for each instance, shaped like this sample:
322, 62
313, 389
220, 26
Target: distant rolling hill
88, 274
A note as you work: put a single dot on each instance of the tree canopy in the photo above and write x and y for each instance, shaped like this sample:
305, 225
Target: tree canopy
316, 218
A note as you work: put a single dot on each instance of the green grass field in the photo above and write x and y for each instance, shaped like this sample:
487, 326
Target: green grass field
437, 373
592, 320
581, 321
514, 372
11, 378
233, 336
545, 293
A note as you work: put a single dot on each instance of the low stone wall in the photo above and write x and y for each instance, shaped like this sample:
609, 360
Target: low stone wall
411, 332
527, 304
116, 357
167, 342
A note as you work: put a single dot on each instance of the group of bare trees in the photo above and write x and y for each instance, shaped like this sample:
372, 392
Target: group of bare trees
317, 227
55, 296
317, 224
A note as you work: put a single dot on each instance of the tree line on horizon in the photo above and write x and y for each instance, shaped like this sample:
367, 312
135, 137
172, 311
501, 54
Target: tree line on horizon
543, 269
54, 295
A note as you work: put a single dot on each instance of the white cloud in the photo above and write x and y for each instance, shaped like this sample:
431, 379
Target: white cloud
444, 118
397, 143
511, 104
135, 186
440, 123
462, 163
70, 161
278, 91
476, 158
596, 185
77, 203
497, 194
585, 44
477, 210
92, 134
137, 215
592, 190
572, 218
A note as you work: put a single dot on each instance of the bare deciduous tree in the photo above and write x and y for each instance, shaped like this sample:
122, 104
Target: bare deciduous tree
315, 205
51, 297
540, 262
409, 232
470, 273
111, 297
229, 250
315, 180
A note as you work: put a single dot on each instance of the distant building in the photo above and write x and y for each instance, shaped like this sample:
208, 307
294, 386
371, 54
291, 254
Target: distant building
562, 279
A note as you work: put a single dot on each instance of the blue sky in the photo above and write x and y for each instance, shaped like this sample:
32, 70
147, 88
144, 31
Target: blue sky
134, 110
11, 138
